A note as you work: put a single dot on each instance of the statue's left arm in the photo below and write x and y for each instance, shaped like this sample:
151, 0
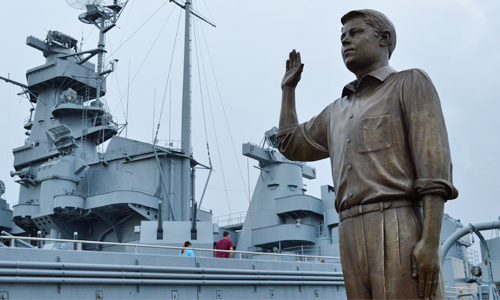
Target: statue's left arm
426, 258
430, 151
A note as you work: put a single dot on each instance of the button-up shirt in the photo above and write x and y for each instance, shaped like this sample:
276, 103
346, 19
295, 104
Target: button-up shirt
386, 139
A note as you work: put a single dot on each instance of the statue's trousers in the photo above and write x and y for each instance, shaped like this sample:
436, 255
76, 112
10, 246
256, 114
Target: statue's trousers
376, 249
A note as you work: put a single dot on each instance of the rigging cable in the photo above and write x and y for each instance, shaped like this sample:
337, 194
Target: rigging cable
197, 48
167, 193
211, 18
154, 110
201, 93
125, 114
215, 133
84, 40
168, 75
170, 113
117, 81
147, 54
211, 169
139, 28
225, 115
125, 26
128, 98
162, 177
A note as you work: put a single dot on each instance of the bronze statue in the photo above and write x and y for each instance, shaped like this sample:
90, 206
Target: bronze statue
388, 146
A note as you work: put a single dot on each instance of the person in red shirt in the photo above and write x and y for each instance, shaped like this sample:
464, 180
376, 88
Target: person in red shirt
224, 244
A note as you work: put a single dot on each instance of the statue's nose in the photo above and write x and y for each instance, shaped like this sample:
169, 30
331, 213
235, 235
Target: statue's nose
345, 41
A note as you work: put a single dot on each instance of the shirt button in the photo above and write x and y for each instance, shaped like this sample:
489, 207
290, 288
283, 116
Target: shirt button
349, 167
351, 116
350, 195
348, 140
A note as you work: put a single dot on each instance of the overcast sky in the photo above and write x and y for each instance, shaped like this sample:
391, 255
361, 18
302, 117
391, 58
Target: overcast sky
455, 41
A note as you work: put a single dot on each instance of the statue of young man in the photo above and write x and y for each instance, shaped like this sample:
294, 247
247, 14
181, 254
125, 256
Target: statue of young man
391, 164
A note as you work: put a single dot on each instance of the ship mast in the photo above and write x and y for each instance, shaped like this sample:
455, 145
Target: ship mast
186, 115
186, 87
187, 172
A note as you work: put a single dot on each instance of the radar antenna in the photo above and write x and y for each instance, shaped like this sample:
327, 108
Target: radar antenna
81, 4
103, 14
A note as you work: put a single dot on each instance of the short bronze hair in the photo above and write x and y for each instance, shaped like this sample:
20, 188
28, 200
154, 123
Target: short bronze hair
377, 20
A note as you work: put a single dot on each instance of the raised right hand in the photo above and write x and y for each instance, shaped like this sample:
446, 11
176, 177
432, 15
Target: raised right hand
294, 69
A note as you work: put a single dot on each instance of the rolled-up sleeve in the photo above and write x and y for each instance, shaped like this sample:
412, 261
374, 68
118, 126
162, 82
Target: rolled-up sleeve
427, 136
307, 141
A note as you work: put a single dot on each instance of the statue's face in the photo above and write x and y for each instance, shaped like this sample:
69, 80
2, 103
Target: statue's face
360, 45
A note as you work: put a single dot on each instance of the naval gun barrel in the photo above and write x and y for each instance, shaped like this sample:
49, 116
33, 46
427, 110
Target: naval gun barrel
194, 234
159, 231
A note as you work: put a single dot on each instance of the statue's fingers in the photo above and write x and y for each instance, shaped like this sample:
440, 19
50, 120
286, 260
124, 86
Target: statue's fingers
428, 285
287, 65
413, 267
291, 59
294, 58
299, 61
435, 283
421, 282
301, 68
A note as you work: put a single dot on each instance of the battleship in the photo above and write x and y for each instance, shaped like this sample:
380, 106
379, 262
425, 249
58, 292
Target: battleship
102, 216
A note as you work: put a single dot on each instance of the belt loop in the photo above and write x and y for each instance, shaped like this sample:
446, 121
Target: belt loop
360, 209
381, 204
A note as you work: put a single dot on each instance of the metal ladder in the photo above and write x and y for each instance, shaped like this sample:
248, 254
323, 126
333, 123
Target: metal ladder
85, 119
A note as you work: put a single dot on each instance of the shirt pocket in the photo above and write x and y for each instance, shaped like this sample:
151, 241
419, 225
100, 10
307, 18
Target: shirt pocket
374, 134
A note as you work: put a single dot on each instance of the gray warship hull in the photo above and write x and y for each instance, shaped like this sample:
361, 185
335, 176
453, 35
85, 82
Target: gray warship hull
88, 275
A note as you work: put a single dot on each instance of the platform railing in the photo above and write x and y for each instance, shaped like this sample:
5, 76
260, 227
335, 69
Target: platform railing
238, 254
463, 292
230, 219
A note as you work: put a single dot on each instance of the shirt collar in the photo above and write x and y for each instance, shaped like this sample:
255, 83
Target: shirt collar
381, 74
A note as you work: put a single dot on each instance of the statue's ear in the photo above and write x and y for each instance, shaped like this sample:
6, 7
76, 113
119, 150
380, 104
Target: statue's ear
385, 37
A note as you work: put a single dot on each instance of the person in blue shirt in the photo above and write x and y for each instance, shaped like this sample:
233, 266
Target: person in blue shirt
186, 252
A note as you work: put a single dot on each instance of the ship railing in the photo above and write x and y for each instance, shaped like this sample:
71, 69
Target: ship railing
78, 246
83, 101
453, 291
306, 249
173, 145
87, 195
230, 219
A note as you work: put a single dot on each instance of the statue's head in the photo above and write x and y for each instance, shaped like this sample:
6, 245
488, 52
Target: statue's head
367, 35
